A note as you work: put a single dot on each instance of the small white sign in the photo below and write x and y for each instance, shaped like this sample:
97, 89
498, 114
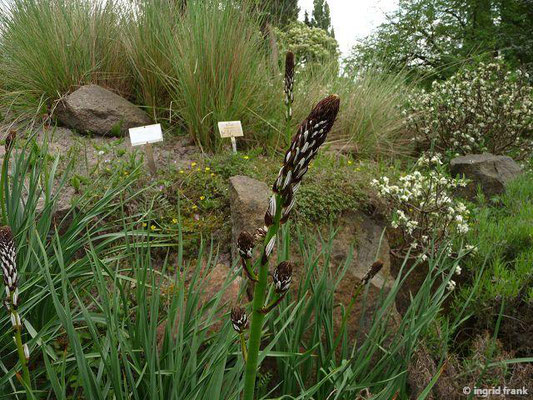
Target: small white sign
146, 134
230, 129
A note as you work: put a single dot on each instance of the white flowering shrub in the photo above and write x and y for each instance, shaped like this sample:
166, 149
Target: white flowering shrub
486, 109
307, 43
422, 207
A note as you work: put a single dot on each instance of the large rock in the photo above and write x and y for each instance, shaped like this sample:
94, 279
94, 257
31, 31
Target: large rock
365, 236
94, 109
490, 172
249, 201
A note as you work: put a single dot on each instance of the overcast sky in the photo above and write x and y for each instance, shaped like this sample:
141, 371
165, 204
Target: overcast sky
353, 19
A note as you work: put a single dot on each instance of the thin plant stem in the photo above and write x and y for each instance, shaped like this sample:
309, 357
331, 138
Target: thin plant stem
22, 356
20, 350
288, 119
258, 316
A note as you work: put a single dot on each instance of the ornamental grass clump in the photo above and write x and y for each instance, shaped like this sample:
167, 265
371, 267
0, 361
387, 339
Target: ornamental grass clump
484, 109
310, 135
11, 302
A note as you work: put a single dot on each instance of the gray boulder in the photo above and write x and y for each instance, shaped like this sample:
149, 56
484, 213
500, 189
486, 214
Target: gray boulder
492, 173
249, 201
94, 109
363, 235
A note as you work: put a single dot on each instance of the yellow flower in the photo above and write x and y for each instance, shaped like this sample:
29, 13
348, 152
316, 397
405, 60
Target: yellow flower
182, 171
207, 169
246, 157
194, 207
193, 164
174, 220
358, 169
144, 224
153, 227
350, 162
212, 174
202, 197
198, 169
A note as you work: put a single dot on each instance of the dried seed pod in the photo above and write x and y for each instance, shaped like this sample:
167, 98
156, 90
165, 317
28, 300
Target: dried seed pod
282, 277
372, 272
8, 260
245, 245
239, 319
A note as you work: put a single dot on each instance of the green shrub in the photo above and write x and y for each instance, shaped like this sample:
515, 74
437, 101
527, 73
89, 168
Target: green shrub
482, 109
310, 45
422, 207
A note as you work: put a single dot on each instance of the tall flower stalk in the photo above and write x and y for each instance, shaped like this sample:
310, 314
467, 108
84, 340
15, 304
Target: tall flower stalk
11, 302
288, 88
310, 135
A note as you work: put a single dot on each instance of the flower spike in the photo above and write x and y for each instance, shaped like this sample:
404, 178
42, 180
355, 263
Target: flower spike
8, 261
289, 82
311, 134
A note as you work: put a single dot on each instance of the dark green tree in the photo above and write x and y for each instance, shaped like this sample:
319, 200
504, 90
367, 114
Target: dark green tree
436, 36
280, 12
307, 21
321, 17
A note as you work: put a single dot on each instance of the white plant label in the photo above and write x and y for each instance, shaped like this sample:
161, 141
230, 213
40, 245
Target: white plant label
230, 129
146, 135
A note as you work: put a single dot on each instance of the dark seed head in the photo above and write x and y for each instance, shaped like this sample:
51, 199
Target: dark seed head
10, 140
282, 276
6, 236
239, 319
372, 272
245, 245
289, 64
